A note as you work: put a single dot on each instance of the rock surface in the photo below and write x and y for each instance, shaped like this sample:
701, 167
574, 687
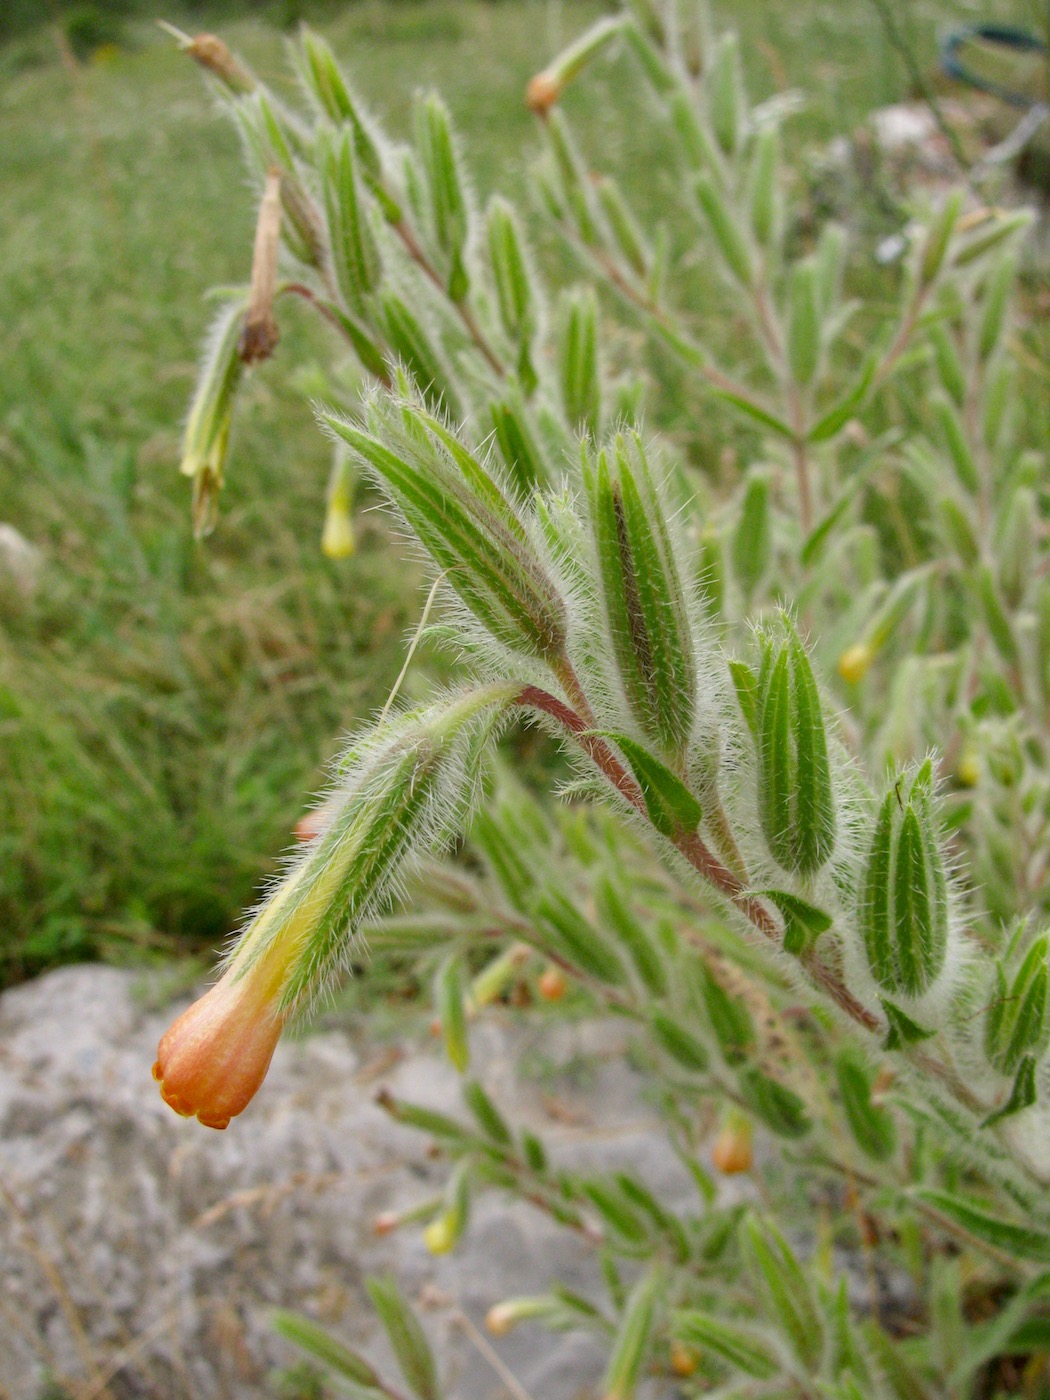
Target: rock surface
139, 1253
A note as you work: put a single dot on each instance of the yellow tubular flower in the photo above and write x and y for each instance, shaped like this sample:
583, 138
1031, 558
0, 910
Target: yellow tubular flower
854, 663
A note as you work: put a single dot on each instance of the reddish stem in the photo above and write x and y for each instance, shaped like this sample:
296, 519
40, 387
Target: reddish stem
692, 846
462, 309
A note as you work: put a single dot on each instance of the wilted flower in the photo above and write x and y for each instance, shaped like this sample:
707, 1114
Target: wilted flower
213, 55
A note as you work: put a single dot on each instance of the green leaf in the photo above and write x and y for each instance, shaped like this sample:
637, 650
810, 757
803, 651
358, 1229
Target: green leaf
448, 204
757, 412
745, 681
354, 254
626, 233
518, 443
787, 1291
672, 808
752, 539
618, 917
904, 897
489, 1118
764, 173
579, 370
644, 596
1017, 1014
949, 366
849, 404
406, 1337
515, 293
729, 1017
426, 1120
1000, 629
317, 1343
796, 798
466, 524
1022, 1241
804, 330
724, 83
577, 939
779, 1108
615, 1210
1003, 227
938, 236
954, 433
1023, 1094
873, 1127
803, 922
996, 304
679, 1043
415, 346
452, 1014
739, 1346
902, 1030
366, 347
633, 1339
729, 237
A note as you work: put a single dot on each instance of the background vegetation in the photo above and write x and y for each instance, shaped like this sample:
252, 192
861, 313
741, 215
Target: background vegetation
165, 707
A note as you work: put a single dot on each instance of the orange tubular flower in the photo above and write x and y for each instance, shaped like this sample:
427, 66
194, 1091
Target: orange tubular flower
214, 1057
731, 1153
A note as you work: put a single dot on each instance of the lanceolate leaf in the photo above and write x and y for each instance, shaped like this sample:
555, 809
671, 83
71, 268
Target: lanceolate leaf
743, 1348
472, 533
406, 1337
1026, 1241
672, 808
779, 1108
873, 1126
312, 1339
803, 922
786, 1288
902, 1031
851, 402
631, 1344
1023, 1094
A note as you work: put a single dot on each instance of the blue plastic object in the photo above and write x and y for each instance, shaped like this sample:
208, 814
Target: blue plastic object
1007, 37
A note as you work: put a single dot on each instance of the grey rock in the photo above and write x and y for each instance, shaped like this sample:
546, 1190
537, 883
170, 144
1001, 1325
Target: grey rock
141, 1252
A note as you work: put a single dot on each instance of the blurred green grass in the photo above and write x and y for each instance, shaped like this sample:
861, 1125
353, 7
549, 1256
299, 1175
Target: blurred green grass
165, 706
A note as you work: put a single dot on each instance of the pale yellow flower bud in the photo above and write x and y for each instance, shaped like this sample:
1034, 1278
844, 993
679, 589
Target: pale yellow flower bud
854, 662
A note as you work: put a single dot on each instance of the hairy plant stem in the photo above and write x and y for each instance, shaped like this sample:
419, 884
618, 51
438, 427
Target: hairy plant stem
300, 289
462, 308
692, 846
673, 336
943, 1222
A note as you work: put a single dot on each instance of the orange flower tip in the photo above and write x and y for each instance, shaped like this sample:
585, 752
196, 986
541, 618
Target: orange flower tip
684, 1360
307, 827
499, 1319
213, 1058
552, 984
542, 93
731, 1154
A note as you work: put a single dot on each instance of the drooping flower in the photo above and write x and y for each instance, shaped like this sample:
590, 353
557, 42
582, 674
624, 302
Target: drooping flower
214, 1057
731, 1153
398, 787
